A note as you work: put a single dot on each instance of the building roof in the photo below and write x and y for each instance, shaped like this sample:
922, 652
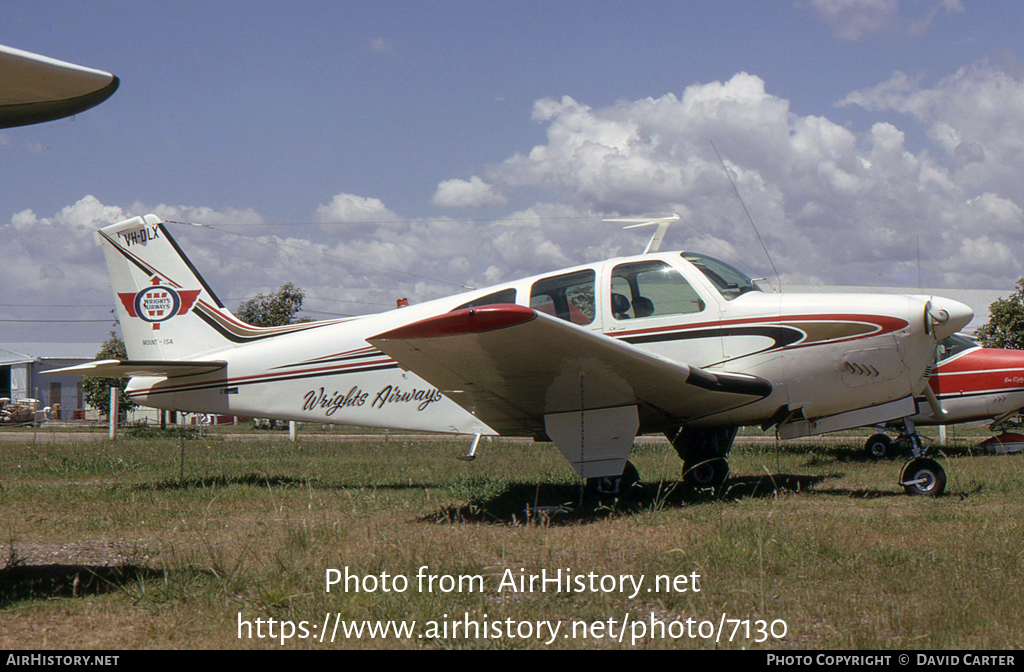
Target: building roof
19, 353
8, 357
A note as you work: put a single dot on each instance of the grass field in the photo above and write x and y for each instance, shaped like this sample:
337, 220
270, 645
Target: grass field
115, 546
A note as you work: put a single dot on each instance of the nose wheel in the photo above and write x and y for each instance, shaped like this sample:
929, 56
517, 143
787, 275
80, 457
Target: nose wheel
923, 477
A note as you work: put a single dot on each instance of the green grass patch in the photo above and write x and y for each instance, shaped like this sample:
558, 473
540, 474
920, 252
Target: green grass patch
133, 543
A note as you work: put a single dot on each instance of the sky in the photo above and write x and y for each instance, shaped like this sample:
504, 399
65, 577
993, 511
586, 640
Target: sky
367, 151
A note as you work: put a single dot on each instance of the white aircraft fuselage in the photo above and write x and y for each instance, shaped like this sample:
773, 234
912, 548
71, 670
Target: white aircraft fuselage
799, 342
822, 354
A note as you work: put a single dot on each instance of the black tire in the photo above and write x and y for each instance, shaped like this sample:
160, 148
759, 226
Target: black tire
879, 447
710, 472
615, 486
923, 477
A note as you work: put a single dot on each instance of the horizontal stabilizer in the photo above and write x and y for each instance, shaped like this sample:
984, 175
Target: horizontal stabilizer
116, 368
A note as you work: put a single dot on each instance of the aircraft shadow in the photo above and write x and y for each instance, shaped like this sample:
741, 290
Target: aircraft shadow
265, 480
521, 502
26, 582
857, 454
200, 482
548, 504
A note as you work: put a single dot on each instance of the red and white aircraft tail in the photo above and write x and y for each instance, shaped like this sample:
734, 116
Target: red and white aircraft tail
166, 309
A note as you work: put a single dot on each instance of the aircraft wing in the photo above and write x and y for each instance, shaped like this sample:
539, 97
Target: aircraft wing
116, 368
510, 366
35, 88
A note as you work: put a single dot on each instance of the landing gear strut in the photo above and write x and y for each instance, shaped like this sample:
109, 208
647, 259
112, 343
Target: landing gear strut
921, 476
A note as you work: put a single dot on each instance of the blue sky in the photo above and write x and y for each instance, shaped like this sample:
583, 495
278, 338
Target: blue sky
487, 139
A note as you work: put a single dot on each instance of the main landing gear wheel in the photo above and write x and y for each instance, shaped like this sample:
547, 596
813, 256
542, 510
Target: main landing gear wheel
879, 447
615, 486
710, 472
705, 455
923, 477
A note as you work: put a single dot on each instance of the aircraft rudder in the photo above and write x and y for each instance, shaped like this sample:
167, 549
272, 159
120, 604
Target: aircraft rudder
160, 297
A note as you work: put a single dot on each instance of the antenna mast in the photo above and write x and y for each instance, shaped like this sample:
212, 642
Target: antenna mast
659, 233
749, 218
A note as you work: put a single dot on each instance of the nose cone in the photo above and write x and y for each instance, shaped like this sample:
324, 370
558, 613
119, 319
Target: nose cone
947, 316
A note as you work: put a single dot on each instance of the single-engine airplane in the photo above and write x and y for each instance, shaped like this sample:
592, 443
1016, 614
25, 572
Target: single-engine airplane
588, 357
969, 383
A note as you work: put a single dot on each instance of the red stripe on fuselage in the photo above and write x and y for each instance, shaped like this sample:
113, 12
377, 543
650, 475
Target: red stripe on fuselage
885, 323
981, 370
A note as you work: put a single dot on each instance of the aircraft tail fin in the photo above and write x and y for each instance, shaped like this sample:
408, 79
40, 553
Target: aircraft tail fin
166, 310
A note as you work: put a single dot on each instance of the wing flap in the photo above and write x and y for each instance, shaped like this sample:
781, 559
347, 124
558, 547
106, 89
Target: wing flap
116, 368
511, 366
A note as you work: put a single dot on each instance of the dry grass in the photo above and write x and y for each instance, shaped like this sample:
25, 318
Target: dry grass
106, 546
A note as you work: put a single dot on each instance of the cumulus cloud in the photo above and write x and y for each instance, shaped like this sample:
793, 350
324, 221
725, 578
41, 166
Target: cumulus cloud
352, 208
833, 204
975, 117
87, 213
53, 259
201, 215
852, 19
381, 45
475, 193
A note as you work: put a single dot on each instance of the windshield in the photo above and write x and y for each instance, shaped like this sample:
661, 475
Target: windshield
953, 345
729, 282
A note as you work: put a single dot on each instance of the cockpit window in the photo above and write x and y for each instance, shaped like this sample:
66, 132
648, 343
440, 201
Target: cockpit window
953, 345
651, 289
569, 297
729, 281
501, 296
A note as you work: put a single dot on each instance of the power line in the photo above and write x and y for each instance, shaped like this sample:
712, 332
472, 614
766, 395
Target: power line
56, 305
401, 221
320, 298
109, 320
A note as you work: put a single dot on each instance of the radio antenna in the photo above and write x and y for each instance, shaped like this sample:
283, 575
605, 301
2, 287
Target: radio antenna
659, 234
749, 218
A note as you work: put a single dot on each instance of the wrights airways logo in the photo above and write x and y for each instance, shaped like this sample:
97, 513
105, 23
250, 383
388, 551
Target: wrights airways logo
158, 303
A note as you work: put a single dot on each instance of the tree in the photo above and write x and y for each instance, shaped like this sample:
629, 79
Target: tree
1005, 326
96, 391
273, 310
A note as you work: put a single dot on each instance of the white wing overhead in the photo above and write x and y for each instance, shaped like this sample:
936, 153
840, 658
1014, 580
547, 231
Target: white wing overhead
511, 366
35, 88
